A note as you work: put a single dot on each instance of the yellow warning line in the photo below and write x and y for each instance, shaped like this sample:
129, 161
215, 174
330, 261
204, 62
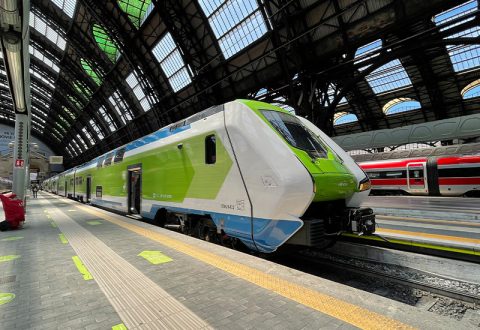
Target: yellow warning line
334, 307
412, 243
434, 236
449, 222
82, 269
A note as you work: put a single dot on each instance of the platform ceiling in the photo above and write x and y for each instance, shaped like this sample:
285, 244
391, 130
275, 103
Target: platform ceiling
107, 72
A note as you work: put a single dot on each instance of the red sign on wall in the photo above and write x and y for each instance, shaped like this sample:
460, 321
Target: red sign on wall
19, 162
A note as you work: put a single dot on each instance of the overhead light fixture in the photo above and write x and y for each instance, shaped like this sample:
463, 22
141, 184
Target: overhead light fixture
13, 48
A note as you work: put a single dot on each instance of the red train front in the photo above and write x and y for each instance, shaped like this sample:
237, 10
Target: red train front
434, 176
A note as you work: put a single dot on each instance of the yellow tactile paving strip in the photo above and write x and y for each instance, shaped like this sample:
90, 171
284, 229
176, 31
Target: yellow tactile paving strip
349, 313
140, 302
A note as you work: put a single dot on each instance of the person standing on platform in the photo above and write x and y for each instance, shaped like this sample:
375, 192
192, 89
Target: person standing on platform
34, 190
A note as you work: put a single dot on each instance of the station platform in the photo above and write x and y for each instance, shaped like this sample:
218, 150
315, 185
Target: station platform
74, 266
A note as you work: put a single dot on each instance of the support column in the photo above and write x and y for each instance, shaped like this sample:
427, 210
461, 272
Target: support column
21, 161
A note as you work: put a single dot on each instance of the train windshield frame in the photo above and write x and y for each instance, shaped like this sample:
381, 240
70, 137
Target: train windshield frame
295, 133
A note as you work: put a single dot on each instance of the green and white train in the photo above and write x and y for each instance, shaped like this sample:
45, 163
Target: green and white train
244, 171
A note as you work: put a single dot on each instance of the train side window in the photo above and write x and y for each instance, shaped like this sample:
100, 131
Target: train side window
100, 161
373, 175
398, 174
108, 159
210, 149
119, 155
416, 174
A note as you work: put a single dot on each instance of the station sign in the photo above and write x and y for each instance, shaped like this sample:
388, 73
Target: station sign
19, 163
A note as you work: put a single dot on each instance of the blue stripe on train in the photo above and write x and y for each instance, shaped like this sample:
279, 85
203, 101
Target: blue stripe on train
269, 234
166, 132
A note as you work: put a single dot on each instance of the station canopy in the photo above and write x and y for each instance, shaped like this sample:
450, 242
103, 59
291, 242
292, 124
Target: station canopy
104, 73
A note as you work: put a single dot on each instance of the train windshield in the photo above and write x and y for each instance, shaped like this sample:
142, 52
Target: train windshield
295, 133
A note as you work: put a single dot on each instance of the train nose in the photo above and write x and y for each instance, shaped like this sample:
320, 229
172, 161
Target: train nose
333, 186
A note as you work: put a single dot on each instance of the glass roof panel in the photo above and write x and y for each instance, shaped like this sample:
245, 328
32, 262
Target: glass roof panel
96, 128
463, 57
138, 91
367, 52
332, 91
107, 118
344, 118
89, 136
105, 42
120, 107
135, 9
68, 6
89, 70
171, 61
388, 77
471, 90
38, 54
402, 104
236, 23
69, 113
48, 30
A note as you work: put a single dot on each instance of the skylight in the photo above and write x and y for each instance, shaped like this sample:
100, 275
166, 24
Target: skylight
89, 70
82, 142
48, 62
471, 90
89, 136
138, 91
47, 30
401, 104
135, 9
344, 118
75, 102
386, 78
107, 118
105, 42
171, 61
96, 129
42, 78
68, 6
332, 91
76, 146
120, 107
463, 57
68, 112
236, 23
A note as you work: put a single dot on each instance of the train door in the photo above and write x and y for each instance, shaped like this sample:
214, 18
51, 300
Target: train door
89, 189
416, 181
134, 189
66, 188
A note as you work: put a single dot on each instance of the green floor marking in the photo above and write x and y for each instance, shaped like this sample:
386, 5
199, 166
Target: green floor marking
62, 238
155, 257
53, 224
9, 258
5, 298
94, 223
82, 269
11, 238
120, 326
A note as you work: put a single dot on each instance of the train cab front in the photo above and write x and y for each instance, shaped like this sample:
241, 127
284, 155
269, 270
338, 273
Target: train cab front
328, 214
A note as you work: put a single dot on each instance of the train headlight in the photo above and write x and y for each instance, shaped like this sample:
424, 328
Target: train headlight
365, 184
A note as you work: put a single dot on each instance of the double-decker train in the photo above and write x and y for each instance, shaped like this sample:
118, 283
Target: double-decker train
434, 176
244, 171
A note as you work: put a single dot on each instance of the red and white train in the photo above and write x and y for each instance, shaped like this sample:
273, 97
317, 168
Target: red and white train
434, 176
